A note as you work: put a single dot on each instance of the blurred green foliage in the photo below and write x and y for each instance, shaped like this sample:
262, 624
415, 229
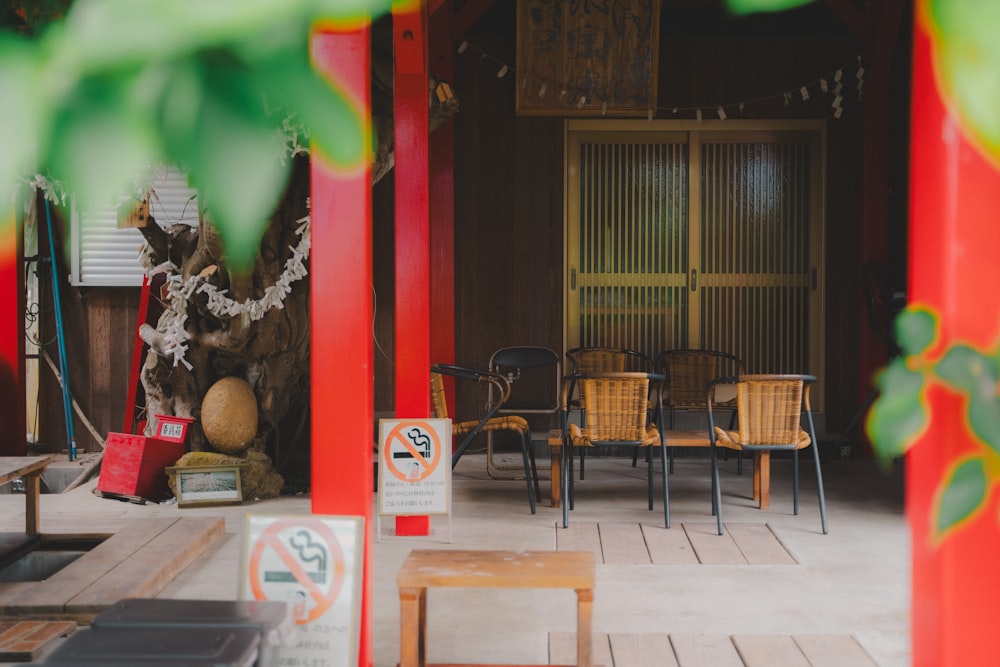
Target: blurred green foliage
117, 85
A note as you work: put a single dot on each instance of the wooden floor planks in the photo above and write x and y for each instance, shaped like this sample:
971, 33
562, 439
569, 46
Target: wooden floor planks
713, 650
137, 561
22, 641
614, 543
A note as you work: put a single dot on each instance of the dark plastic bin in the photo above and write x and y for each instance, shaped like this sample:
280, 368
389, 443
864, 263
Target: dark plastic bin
158, 647
270, 619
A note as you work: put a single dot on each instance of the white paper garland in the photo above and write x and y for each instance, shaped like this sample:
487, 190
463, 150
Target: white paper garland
180, 292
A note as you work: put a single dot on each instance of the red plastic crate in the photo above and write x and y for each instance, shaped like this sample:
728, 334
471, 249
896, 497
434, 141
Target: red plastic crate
133, 466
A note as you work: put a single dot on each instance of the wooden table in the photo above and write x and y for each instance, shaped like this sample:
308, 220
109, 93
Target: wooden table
761, 467
425, 568
28, 468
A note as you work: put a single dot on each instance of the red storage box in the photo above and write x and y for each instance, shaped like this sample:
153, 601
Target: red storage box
133, 466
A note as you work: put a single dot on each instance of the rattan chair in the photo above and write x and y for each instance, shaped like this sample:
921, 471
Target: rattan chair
584, 360
500, 390
615, 413
688, 373
770, 412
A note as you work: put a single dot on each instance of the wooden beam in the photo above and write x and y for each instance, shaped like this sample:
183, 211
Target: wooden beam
954, 197
341, 314
412, 314
442, 208
468, 15
13, 424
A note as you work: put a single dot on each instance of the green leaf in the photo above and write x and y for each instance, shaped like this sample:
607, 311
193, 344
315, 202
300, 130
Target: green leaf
963, 494
976, 375
899, 415
233, 162
20, 112
338, 128
968, 370
100, 142
750, 6
967, 55
916, 329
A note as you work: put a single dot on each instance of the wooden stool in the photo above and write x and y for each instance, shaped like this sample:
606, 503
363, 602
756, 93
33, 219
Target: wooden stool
490, 569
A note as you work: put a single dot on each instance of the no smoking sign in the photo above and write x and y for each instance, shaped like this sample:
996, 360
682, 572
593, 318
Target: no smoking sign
312, 563
415, 470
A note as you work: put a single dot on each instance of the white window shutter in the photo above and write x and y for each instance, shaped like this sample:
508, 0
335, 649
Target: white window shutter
102, 255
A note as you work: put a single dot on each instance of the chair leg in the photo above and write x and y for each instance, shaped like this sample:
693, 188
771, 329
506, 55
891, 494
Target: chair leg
649, 478
534, 470
819, 487
525, 443
563, 482
666, 486
583, 454
739, 453
795, 482
716, 490
570, 498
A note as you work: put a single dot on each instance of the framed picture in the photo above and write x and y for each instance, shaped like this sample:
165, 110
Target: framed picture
587, 58
207, 485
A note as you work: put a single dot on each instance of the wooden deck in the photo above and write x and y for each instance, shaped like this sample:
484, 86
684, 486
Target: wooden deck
136, 559
615, 543
714, 650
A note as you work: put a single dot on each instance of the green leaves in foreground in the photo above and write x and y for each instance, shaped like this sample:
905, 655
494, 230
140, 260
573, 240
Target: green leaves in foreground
750, 6
120, 85
901, 414
962, 496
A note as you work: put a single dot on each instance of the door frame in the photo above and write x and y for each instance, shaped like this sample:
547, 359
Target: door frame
697, 131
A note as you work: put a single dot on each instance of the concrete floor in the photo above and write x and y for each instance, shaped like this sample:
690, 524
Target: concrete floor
853, 581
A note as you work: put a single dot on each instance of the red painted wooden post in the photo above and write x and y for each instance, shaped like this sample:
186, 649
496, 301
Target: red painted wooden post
954, 197
341, 314
410, 118
442, 206
13, 422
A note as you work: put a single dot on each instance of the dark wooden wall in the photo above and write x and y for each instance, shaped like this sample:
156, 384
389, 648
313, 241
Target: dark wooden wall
99, 325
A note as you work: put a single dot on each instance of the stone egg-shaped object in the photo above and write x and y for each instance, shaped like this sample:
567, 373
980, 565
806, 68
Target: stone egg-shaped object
229, 415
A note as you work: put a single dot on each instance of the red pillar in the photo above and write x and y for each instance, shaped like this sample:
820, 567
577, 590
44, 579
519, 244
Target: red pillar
341, 314
954, 197
13, 427
442, 205
412, 340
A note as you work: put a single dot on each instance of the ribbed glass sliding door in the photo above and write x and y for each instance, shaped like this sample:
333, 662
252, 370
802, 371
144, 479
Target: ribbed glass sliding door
699, 236
628, 252
755, 253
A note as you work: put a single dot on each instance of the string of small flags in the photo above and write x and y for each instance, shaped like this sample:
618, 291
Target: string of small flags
567, 95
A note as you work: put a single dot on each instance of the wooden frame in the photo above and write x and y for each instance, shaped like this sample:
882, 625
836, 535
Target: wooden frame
207, 485
582, 59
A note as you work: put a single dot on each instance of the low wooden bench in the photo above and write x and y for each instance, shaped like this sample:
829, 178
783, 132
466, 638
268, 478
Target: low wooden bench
425, 568
29, 469
675, 438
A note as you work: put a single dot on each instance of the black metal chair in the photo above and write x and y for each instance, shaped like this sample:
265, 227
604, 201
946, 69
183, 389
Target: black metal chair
535, 377
488, 421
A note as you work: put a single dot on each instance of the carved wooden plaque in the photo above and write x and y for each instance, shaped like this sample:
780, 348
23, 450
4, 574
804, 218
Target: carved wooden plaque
587, 57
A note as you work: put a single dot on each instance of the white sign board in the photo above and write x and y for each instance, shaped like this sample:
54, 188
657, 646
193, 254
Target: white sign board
314, 564
414, 466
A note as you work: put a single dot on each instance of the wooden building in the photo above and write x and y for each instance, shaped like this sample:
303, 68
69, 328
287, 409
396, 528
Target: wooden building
775, 78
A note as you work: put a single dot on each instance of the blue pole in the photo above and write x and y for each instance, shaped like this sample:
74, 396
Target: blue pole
61, 340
